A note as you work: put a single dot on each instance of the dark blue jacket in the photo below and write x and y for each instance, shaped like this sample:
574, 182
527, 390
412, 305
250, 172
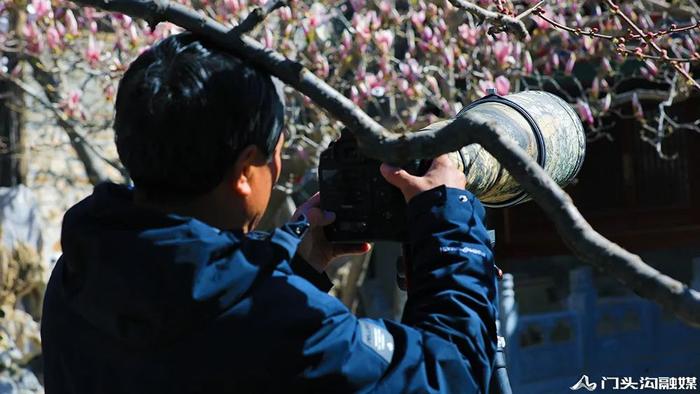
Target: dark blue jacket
142, 302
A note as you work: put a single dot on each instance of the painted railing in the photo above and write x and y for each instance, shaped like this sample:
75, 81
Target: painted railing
622, 337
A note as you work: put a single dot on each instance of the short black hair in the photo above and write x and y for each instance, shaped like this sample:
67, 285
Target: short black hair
185, 109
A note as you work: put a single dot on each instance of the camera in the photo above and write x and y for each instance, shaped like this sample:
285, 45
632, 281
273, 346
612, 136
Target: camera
366, 206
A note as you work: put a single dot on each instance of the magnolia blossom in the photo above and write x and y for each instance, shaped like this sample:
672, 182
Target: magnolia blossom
570, 62
92, 52
410, 69
321, 66
39, 8
384, 40
53, 38
467, 34
502, 85
584, 111
285, 14
234, 6
71, 23
527, 63
502, 50
418, 18
358, 5
432, 83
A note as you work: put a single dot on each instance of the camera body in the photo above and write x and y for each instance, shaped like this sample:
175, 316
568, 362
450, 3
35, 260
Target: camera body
366, 206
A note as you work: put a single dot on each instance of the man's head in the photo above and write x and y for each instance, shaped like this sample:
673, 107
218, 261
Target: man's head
192, 120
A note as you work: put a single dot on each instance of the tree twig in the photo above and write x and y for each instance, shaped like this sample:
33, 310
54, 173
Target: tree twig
256, 16
500, 21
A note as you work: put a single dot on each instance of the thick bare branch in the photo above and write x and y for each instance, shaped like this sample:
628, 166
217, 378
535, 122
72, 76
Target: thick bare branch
469, 128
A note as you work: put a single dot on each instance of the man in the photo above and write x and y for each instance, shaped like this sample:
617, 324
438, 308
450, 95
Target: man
167, 288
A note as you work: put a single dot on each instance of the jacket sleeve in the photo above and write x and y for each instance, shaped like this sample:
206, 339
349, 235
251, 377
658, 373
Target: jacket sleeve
447, 339
302, 268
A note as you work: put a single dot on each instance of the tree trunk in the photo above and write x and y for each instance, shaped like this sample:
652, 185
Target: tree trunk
12, 144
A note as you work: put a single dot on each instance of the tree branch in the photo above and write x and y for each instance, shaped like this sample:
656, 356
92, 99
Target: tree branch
256, 16
379, 143
500, 21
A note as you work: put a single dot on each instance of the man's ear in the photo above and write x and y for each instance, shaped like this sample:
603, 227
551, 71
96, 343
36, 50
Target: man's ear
243, 171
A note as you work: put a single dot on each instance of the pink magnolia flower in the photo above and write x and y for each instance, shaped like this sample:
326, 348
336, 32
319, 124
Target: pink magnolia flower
375, 21
527, 63
403, 85
570, 63
427, 34
502, 85
418, 18
449, 56
234, 6
442, 26
40, 8
355, 95
71, 23
361, 24
358, 4
446, 107
53, 38
651, 66
555, 60
501, 51
109, 92
384, 40
410, 69
30, 33
268, 39
588, 45
133, 35
385, 7
71, 104
92, 52
467, 34
285, 14
584, 111
462, 63
321, 66
433, 85
60, 28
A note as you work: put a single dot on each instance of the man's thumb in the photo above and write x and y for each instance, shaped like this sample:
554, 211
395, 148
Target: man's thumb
396, 176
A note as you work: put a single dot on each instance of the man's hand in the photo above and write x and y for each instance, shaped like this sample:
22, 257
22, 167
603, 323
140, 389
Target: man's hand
442, 171
315, 248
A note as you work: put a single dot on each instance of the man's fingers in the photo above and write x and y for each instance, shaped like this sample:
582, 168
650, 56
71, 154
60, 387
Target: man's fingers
441, 161
350, 249
313, 201
318, 217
